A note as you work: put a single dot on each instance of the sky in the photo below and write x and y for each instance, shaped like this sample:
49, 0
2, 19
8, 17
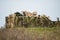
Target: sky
48, 7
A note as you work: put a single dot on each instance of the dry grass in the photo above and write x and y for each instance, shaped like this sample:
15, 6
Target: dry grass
30, 34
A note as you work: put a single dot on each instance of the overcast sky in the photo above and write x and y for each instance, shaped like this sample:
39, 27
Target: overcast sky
49, 7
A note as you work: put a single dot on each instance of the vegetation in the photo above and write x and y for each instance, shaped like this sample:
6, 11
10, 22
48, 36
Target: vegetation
31, 28
30, 33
